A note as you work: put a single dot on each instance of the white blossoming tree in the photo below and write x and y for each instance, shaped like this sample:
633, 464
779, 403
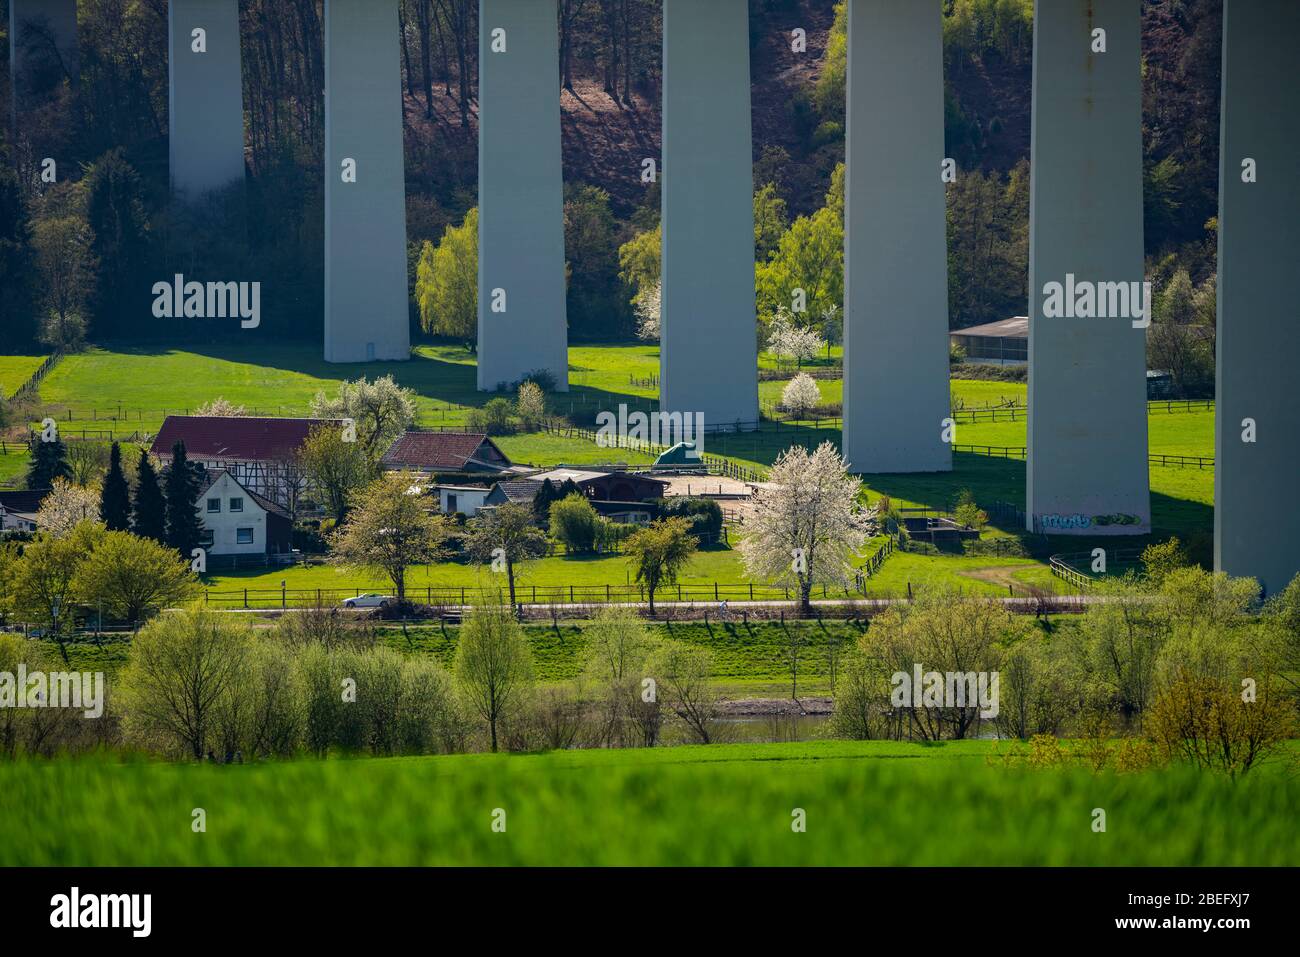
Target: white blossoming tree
647, 307
220, 406
785, 340
806, 526
381, 410
801, 395
66, 506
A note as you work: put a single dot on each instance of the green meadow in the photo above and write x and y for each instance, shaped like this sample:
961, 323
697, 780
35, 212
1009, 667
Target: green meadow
862, 803
15, 370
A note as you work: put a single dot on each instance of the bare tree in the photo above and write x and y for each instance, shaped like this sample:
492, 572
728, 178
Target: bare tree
494, 666
683, 675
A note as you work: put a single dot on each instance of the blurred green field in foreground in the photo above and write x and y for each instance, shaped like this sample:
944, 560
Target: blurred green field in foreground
866, 803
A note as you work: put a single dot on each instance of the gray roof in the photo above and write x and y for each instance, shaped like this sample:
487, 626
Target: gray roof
1017, 327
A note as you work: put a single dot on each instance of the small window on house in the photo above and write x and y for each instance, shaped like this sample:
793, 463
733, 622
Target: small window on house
207, 538
237, 504
243, 536
214, 505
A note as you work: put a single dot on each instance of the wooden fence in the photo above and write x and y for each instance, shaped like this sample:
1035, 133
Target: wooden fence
29, 387
285, 598
1065, 566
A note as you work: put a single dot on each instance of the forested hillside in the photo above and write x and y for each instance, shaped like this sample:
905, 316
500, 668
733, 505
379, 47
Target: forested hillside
112, 217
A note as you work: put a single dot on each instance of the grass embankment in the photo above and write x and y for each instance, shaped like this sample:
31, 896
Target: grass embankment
866, 803
749, 660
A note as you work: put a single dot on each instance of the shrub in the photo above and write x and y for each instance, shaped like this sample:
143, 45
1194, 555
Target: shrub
183, 668
493, 418
862, 687
1161, 558
966, 512
531, 406
705, 515
1205, 720
574, 522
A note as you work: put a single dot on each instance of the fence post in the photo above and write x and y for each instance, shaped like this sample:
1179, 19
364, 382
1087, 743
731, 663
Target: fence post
245, 597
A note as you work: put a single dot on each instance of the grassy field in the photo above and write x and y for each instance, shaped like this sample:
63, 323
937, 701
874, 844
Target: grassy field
984, 574
15, 370
866, 803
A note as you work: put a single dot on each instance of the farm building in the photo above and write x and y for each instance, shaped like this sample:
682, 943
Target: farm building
606, 486
463, 452
260, 453
1005, 342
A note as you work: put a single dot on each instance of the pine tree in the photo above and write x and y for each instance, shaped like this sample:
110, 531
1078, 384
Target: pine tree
115, 499
148, 510
184, 530
49, 461
543, 499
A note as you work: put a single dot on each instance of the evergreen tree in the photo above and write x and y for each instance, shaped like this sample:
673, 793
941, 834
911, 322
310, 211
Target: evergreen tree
542, 501
184, 530
115, 212
49, 461
17, 267
115, 498
548, 493
148, 510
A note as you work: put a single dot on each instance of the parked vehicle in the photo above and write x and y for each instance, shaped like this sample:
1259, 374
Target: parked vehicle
372, 600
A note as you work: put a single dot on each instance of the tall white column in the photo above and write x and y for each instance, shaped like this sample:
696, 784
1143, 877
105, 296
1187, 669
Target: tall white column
205, 96
896, 394
1087, 467
522, 318
708, 352
1257, 412
366, 314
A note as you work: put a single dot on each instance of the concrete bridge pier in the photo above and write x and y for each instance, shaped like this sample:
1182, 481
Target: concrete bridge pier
896, 394
1087, 450
366, 313
1257, 412
522, 313
708, 342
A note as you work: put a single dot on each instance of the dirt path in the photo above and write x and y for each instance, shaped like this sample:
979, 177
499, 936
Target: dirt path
999, 575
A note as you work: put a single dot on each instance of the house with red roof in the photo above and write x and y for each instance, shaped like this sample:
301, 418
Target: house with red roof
445, 452
259, 452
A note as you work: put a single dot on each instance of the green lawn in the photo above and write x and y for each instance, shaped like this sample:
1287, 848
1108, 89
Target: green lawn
866, 803
15, 370
13, 467
708, 565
